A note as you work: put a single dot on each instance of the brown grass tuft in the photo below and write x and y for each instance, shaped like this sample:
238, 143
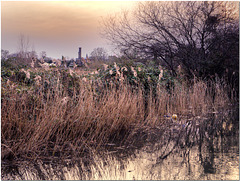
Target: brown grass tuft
52, 122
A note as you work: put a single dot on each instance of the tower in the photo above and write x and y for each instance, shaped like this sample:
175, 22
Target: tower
80, 53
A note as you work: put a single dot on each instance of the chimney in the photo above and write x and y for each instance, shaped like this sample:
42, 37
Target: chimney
79, 53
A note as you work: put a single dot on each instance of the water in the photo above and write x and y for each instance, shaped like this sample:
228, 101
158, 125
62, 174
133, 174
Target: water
199, 150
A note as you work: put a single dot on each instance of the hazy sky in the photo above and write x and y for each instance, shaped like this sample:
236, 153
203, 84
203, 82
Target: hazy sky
57, 27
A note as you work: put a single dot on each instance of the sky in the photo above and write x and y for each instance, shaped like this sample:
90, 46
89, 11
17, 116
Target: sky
58, 27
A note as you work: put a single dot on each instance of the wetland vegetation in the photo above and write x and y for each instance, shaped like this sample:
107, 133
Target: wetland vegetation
57, 114
166, 108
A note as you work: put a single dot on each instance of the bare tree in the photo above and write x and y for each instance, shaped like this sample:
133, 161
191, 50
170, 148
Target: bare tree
4, 54
172, 33
33, 53
25, 55
43, 54
99, 54
23, 46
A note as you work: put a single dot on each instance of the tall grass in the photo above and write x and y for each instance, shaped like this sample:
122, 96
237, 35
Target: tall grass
56, 121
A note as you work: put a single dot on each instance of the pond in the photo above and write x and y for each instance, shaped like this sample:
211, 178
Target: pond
203, 149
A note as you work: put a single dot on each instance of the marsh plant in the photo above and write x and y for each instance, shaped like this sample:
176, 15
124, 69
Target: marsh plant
61, 113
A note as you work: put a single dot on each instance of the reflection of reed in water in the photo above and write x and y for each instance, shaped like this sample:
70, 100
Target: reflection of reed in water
193, 149
184, 164
202, 133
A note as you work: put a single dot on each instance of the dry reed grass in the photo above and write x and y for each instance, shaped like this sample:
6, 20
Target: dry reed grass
44, 123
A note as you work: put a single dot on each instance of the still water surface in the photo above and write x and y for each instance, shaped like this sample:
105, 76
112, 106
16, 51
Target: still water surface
195, 152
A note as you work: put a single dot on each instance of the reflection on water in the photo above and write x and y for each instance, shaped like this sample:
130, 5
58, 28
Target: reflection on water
185, 165
186, 151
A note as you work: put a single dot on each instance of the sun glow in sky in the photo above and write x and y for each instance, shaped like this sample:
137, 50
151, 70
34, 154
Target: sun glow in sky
57, 27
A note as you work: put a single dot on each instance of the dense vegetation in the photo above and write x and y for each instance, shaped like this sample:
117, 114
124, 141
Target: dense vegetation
181, 59
61, 112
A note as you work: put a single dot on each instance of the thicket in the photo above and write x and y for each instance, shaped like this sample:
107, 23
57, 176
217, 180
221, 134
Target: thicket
53, 113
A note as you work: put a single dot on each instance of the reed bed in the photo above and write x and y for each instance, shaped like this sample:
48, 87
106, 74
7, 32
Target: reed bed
51, 120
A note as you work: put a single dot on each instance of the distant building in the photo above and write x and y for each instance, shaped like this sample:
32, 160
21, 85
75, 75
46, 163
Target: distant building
72, 64
79, 59
48, 60
57, 62
63, 64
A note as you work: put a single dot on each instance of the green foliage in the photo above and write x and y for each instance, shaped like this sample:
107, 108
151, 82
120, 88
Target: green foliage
5, 73
11, 64
138, 76
20, 76
146, 76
